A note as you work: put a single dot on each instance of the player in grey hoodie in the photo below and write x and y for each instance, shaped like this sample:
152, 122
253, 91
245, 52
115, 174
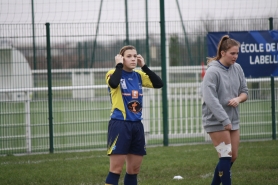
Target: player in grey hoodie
223, 88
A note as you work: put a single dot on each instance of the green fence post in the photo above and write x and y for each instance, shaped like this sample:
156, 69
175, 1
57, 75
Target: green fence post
185, 35
273, 108
79, 55
147, 35
126, 23
270, 23
85, 55
164, 75
49, 82
95, 40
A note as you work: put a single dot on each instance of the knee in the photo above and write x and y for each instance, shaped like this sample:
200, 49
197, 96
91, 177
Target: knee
116, 169
133, 170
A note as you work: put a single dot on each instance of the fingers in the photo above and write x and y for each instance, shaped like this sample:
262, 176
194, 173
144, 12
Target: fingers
140, 57
119, 59
228, 127
140, 60
233, 102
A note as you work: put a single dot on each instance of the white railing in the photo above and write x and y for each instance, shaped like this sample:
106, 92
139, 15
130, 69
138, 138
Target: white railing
27, 92
181, 126
181, 97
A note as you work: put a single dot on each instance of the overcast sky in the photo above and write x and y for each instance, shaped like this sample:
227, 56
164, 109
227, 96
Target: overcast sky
75, 11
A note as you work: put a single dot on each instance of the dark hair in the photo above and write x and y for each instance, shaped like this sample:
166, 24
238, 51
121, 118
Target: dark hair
128, 47
224, 44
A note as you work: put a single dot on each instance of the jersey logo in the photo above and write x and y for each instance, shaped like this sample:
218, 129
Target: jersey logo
123, 84
134, 94
140, 85
134, 106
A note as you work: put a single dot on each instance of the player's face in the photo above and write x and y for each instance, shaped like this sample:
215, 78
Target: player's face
230, 56
130, 60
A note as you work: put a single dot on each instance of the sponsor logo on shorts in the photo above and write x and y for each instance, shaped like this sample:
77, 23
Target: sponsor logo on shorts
112, 146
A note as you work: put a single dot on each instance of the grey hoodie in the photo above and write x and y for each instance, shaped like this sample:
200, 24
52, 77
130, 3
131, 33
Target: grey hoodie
218, 87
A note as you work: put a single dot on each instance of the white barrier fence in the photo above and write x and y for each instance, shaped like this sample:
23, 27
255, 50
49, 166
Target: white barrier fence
184, 104
153, 124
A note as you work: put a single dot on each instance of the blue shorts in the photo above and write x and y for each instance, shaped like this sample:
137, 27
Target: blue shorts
126, 137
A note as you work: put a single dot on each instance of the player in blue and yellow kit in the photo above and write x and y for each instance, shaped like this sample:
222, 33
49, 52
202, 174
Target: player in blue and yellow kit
126, 139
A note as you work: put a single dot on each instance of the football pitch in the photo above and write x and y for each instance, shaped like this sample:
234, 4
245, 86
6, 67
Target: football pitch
257, 164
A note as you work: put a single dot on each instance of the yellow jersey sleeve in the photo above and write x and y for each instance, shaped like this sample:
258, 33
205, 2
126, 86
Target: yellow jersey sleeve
146, 82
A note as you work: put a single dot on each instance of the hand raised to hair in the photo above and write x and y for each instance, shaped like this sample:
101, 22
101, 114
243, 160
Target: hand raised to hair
119, 59
140, 60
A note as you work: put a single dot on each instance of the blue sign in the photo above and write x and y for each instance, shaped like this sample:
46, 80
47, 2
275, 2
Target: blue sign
258, 52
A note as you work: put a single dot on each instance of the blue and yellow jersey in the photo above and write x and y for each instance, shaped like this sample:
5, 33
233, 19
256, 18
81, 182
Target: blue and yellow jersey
127, 98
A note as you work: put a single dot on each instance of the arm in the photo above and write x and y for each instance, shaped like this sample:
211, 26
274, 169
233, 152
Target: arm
210, 98
243, 91
115, 78
236, 101
156, 80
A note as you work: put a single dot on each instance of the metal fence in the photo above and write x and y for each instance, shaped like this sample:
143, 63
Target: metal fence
80, 101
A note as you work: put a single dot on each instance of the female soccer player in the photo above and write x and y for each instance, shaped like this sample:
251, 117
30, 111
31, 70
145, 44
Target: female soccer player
126, 139
223, 88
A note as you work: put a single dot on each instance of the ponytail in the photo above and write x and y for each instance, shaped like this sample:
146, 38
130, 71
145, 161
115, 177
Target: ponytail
224, 44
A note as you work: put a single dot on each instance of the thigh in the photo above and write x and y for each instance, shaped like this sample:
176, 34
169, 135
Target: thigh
133, 163
116, 163
138, 145
235, 139
119, 137
220, 136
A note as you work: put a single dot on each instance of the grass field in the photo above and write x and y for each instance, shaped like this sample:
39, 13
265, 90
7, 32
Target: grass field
257, 164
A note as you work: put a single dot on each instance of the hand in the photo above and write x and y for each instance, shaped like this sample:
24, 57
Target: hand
234, 102
119, 59
228, 127
140, 60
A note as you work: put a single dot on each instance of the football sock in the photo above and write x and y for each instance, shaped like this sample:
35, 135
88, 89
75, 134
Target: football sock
231, 171
112, 179
224, 166
130, 179
216, 179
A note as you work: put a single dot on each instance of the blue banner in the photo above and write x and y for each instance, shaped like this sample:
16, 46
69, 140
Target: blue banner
258, 52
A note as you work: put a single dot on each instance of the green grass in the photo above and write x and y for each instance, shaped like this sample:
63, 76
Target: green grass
257, 164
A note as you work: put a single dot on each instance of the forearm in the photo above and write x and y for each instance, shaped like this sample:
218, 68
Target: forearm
242, 97
115, 78
156, 80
